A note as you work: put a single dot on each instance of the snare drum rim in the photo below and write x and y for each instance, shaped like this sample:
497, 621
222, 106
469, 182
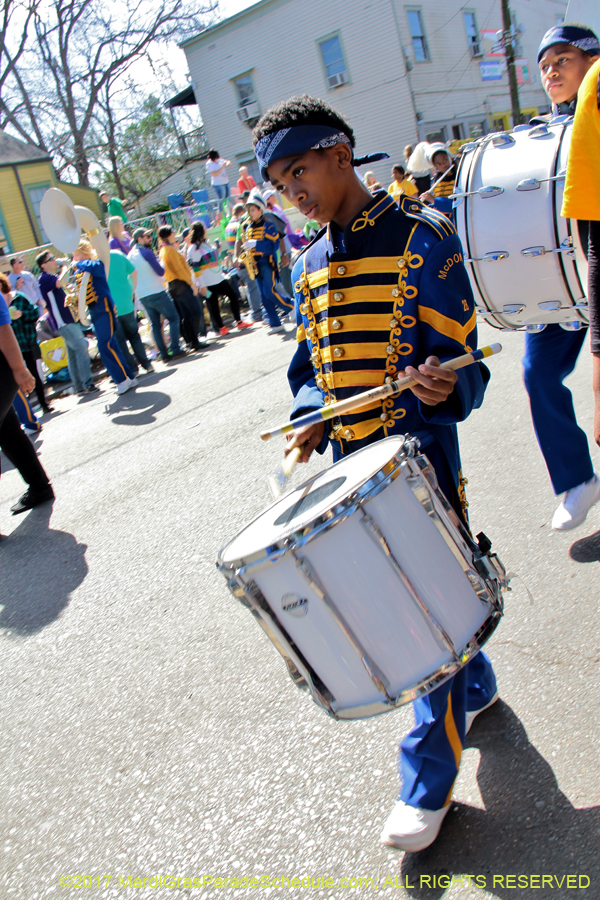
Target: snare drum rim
331, 517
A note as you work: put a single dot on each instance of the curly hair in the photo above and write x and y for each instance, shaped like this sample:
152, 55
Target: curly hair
304, 110
5, 287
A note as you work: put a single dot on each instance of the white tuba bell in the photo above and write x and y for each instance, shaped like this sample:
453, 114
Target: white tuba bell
63, 223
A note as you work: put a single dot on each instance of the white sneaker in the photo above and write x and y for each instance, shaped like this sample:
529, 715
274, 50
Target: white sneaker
124, 386
576, 504
412, 828
277, 329
471, 716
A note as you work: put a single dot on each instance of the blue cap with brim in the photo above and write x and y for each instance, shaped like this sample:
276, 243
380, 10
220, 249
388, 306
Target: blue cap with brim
576, 35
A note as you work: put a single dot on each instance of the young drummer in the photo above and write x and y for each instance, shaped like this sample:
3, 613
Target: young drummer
380, 291
565, 55
261, 239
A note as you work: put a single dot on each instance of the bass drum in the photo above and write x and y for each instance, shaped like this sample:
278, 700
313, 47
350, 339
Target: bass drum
525, 261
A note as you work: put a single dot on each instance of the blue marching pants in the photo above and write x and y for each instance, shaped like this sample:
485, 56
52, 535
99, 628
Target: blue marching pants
430, 753
26, 415
104, 320
269, 294
551, 355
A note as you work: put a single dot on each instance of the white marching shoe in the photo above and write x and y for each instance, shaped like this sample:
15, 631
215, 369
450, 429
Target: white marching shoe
576, 504
471, 716
124, 386
412, 828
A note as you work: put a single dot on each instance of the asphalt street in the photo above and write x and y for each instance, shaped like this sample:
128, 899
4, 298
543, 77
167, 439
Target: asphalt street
149, 730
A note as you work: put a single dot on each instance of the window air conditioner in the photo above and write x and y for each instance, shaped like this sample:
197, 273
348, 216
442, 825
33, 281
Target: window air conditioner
250, 111
476, 49
336, 80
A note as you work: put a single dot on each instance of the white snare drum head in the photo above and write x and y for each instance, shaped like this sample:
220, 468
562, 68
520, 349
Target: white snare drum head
309, 501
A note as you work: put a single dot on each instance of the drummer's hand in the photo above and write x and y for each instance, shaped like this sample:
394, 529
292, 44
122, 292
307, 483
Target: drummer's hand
427, 197
309, 437
434, 384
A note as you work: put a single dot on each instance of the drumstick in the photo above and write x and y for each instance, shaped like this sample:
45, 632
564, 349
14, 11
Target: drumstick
353, 404
281, 475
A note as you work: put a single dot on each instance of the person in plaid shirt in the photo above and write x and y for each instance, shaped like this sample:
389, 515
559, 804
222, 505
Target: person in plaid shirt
24, 327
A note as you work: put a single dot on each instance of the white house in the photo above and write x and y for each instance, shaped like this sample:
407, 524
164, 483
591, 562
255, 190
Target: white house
398, 72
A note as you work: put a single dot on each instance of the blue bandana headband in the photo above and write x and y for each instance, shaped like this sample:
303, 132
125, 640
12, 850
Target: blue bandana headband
576, 35
298, 140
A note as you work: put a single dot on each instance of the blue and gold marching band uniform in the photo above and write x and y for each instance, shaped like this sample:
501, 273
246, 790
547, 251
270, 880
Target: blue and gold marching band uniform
102, 312
387, 292
265, 258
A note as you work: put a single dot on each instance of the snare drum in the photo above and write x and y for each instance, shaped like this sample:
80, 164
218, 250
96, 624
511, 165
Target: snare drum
367, 582
524, 260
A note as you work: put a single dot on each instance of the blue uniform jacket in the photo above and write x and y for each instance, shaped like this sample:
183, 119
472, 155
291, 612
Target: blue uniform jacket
388, 292
98, 292
267, 240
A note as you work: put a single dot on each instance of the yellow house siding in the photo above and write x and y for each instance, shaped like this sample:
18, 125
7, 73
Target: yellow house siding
14, 214
82, 196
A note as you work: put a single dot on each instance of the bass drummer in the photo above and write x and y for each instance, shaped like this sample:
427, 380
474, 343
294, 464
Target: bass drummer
566, 53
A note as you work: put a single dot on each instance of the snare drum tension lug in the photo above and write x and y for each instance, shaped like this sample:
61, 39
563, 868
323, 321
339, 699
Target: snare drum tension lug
483, 542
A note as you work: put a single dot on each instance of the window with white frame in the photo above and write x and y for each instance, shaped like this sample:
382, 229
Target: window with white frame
248, 111
472, 33
35, 198
245, 89
336, 71
417, 34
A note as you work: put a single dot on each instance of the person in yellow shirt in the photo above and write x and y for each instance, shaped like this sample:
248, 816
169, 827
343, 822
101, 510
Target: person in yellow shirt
181, 287
401, 185
581, 201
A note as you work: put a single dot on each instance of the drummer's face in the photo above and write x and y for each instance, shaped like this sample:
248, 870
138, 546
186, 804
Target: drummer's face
562, 69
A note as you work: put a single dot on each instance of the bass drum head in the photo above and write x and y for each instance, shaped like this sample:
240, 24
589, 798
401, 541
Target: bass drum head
523, 258
306, 504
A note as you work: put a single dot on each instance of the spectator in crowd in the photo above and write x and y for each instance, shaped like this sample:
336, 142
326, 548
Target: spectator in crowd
92, 283
14, 443
152, 294
245, 181
401, 185
210, 279
408, 152
25, 282
185, 241
217, 169
182, 289
112, 206
24, 315
122, 279
60, 318
369, 180
119, 239
439, 193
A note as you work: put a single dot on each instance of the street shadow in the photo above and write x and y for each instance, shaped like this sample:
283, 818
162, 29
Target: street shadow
137, 407
587, 549
45, 567
528, 825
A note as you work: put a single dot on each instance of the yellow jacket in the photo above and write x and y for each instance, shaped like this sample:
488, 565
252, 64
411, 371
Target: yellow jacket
397, 188
175, 266
581, 199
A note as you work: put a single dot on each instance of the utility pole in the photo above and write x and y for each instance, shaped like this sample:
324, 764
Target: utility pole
510, 63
